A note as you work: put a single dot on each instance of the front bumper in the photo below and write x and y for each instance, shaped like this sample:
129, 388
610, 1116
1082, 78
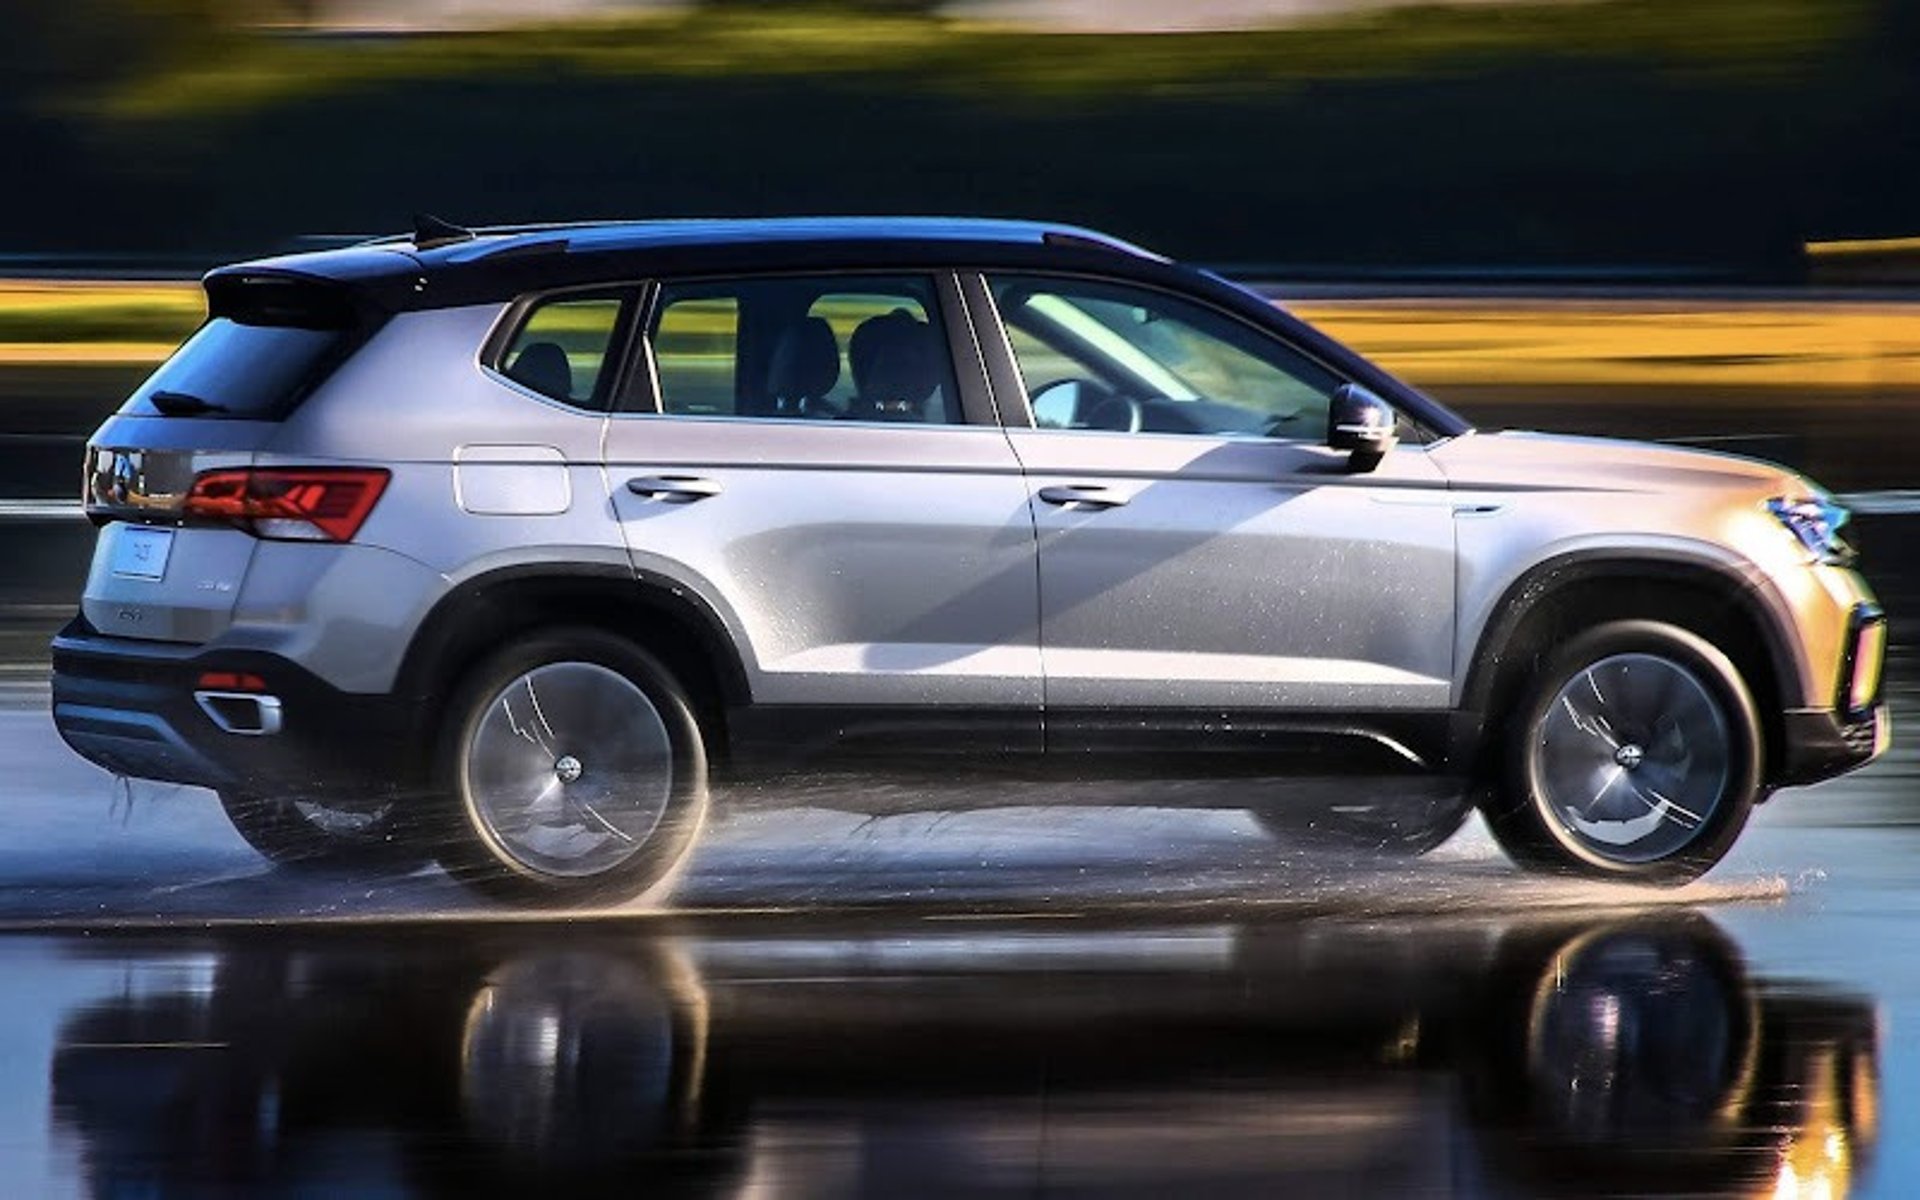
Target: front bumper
1819, 744
129, 706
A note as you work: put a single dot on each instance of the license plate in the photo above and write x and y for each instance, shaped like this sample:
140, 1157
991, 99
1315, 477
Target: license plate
142, 553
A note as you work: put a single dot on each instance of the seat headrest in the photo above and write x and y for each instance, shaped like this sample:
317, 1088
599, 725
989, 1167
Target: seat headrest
543, 366
804, 367
895, 365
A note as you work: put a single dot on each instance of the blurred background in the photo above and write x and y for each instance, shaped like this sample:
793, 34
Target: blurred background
1708, 140
1693, 220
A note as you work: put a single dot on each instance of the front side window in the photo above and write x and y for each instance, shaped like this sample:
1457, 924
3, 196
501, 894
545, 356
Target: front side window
561, 349
851, 348
1104, 356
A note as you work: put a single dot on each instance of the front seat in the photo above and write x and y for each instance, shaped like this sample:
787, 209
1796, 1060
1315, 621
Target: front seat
896, 367
803, 369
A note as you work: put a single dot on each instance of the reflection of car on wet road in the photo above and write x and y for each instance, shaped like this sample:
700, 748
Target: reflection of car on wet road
1626, 1056
498, 547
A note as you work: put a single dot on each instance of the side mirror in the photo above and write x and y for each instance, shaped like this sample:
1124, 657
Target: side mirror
1361, 423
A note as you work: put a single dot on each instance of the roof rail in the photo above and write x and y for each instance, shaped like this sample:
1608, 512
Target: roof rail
1081, 240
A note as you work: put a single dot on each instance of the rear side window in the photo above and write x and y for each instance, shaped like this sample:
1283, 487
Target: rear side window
841, 347
239, 371
562, 349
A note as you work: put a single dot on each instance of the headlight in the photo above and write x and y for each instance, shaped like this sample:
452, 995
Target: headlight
1816, 521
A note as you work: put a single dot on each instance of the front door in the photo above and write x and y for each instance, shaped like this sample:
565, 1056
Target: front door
1201, 550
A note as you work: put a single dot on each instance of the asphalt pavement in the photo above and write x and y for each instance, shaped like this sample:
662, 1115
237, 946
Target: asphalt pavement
1030, 999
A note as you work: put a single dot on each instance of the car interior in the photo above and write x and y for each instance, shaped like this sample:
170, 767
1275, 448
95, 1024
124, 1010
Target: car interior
805, 349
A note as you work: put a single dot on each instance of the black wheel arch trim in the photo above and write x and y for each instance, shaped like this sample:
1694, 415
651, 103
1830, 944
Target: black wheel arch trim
1549, 579
431, 661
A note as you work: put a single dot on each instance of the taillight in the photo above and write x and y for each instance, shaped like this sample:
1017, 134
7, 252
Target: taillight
304, 504
232, 681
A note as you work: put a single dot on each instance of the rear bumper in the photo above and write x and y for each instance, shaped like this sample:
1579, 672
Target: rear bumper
129, 707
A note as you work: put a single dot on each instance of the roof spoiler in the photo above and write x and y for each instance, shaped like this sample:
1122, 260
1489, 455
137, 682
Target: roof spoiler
279, 298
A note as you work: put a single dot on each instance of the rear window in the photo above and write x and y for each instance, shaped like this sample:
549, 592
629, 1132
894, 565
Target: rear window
238, 372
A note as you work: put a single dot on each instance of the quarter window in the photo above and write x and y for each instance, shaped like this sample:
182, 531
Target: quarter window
1095, 355
851, 348
561, 349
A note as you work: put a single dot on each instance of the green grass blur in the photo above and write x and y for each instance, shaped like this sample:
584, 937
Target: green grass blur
926, 51
1710, 136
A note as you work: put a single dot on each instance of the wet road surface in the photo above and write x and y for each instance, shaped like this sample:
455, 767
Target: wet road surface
1638, 1054
1035, 1000
112, 853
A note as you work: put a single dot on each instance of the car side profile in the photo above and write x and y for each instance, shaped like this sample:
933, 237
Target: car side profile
507, 546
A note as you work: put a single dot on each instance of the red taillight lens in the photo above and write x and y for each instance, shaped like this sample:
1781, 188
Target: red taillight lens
232, 681
308, 504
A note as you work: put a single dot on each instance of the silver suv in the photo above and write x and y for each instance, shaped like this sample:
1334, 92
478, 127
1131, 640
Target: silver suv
497, 547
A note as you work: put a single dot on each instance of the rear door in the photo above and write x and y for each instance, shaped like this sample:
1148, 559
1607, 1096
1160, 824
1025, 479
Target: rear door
812, 456
1200, 548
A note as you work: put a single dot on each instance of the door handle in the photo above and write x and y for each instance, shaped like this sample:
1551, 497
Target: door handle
675, 489
1082, 495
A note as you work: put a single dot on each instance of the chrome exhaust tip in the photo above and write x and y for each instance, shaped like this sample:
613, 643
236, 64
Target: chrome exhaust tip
249, 714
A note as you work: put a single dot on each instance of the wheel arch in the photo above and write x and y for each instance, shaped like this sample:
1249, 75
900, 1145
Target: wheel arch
680, 628
1580, 589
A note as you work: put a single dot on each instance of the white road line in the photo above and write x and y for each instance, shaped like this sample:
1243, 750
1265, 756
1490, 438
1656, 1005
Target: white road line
1905, 502
40, 510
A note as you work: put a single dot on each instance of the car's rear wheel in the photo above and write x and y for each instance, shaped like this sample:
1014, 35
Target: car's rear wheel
306, 833
575, 769
1633, 753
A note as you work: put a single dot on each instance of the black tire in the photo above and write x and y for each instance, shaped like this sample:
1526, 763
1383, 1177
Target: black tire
299, 834
1702, 731
663, 800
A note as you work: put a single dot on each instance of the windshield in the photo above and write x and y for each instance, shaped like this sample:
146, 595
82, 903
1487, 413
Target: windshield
237, 371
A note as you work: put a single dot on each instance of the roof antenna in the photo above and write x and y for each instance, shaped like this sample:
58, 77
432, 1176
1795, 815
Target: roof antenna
430, 231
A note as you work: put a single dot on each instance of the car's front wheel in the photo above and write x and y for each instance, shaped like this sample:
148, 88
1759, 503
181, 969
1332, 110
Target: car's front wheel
575, 770
1633, 753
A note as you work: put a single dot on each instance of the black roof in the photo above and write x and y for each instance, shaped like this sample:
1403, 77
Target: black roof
496, 263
